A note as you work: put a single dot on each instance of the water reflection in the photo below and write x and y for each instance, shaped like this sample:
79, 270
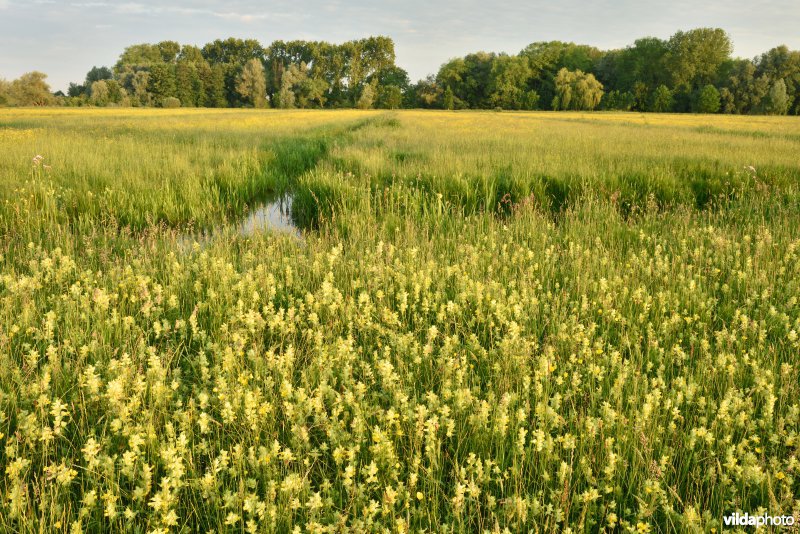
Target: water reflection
271, 216
275, 215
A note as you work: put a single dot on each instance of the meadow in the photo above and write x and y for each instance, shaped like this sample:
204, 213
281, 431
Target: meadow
490, 322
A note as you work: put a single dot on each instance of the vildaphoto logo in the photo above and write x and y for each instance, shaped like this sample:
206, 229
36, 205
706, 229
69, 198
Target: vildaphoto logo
743, 520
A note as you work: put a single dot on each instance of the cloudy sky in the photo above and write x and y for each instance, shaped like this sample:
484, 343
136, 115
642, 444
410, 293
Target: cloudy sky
66, 38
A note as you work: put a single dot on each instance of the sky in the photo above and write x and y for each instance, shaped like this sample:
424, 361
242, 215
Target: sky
66, 38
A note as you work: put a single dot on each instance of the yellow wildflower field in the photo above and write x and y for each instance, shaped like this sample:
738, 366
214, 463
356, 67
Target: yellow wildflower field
482, 322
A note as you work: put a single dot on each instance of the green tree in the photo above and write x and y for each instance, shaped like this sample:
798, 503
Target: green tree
661, 100
508, 82
97, 74
390, 97
448, 99
426, 93
469, 78
576, 90
546, 59
233, 51
188, 87
31, 89
140, 82
214, 87
363, 58
161, 83
367, 97
5, 93
76, 90
727, 102
171, 102
620, 101
392, 85
192, 77
747, 90
252, 84
776, 102
707, 100
117, 94
292, 76
99, 94
232, 54
780, 63
694, 57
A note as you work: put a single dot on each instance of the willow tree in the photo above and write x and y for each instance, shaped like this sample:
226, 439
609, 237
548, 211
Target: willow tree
576, 90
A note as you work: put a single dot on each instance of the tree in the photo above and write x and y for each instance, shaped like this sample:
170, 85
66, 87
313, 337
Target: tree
576, 90
117, 94
232, 54
140, 82
448, 99
546, 59
99, 95
469, 79
192, 77
780, 63
707, 100
390, 97
293, 76
286, 96
191, 54
727, 103
5, 92
776, 102
188, 87
694, 57
97, 74
643, 63
233, 51
75, 90
662, 99
161, 82
30, 89
146, 55
171, 102
508, 83
252, 84
426, 93
747, 90
363, 58
620, 101
214, 87
392, 85
367, 97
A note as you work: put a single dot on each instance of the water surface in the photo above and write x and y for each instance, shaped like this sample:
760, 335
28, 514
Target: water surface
273, 215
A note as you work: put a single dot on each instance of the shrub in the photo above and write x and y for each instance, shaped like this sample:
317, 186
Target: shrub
170, 102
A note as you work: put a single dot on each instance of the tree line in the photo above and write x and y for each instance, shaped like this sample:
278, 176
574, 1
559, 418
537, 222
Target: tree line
692, 71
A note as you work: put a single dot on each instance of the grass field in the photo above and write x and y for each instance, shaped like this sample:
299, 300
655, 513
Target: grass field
493, 322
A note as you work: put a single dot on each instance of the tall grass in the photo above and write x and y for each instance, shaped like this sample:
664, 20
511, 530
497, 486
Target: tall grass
494, 322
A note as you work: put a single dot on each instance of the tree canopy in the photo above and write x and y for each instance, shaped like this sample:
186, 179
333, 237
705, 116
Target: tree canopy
692, 71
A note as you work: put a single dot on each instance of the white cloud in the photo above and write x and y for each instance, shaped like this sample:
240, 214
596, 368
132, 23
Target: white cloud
133, 8
241, 17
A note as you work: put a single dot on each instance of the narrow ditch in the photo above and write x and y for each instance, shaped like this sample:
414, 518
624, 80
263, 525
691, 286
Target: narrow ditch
272, 212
